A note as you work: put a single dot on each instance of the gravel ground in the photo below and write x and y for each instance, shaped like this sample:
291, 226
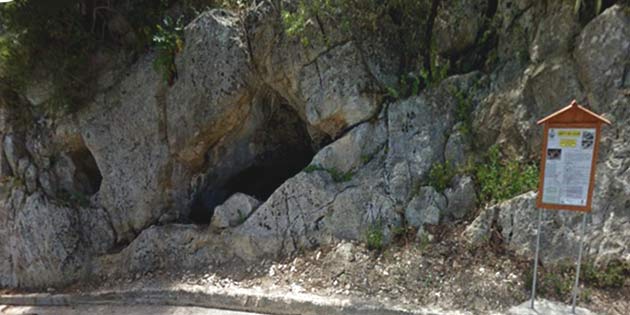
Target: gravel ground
443, 272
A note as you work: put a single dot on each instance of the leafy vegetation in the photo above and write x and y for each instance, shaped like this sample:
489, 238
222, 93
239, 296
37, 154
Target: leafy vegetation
557, 280
313, 168
168, 41
48, 37
337, 175
500, 179
612, 275
441, 175
374, 236
463, 111
66, 42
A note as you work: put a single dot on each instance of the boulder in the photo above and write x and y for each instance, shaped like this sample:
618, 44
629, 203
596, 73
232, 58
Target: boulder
458, 25
47, 241
213, 91
425, 208
338, 91
172, 247
457, 148
136, 174
461, 198
607, 234
234, 211
601, 54
289, 220
479, 230
325, 81
555, 32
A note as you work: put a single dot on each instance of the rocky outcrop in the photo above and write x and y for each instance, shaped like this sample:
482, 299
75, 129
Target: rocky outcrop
234, 211
542, 87
307, 130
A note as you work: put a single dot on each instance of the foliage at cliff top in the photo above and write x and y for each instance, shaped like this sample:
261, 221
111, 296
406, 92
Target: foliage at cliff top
67, 41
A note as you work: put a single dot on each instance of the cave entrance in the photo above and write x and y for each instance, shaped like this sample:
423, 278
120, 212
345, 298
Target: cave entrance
284, 148
87, 177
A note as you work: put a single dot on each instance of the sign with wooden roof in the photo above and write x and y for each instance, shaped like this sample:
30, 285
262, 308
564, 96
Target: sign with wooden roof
569, 156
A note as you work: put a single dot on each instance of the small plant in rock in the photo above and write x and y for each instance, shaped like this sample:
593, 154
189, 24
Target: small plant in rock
339, 176
499, 179
313, 168
374, 236
168, 41
423, 241
439, 71
441, 175
241, 217
408, 85
463, 111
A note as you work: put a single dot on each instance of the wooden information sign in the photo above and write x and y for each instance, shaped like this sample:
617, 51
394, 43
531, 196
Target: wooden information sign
569, 154
567, 171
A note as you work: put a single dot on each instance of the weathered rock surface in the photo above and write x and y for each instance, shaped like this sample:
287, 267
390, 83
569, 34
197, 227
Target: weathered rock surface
234, 211
172, 247
602, 54
47, 243
461, 198
425, 207
328, 82
129, 168
458, 25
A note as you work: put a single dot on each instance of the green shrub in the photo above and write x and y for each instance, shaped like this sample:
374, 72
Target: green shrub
612, 275
57, 41
339, 176
374, 236
499, 179
463, 111
48, 38
556, 280
168, 41
441, 175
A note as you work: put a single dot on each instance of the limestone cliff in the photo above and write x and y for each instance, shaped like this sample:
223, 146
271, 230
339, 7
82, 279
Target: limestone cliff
304, 145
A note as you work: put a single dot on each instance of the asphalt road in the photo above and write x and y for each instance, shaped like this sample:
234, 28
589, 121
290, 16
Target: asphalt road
114, 310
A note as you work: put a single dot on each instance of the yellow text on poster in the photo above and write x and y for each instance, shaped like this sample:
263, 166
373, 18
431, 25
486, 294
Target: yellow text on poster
568, 143
569, 133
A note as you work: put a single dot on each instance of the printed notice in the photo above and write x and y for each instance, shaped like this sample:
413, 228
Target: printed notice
568, 166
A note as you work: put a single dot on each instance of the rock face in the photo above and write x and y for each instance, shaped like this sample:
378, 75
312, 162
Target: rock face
234, 211
307, 132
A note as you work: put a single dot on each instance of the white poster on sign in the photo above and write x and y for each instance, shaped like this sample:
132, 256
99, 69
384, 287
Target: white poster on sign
568, 166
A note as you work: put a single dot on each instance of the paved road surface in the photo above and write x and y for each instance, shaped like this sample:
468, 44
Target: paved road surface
114, 310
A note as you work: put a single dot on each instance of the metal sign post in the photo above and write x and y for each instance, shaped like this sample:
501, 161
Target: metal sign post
538, 231
567, 171
579, 263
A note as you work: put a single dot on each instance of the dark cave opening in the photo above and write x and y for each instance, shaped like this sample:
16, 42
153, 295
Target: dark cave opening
285, 148
87, 176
